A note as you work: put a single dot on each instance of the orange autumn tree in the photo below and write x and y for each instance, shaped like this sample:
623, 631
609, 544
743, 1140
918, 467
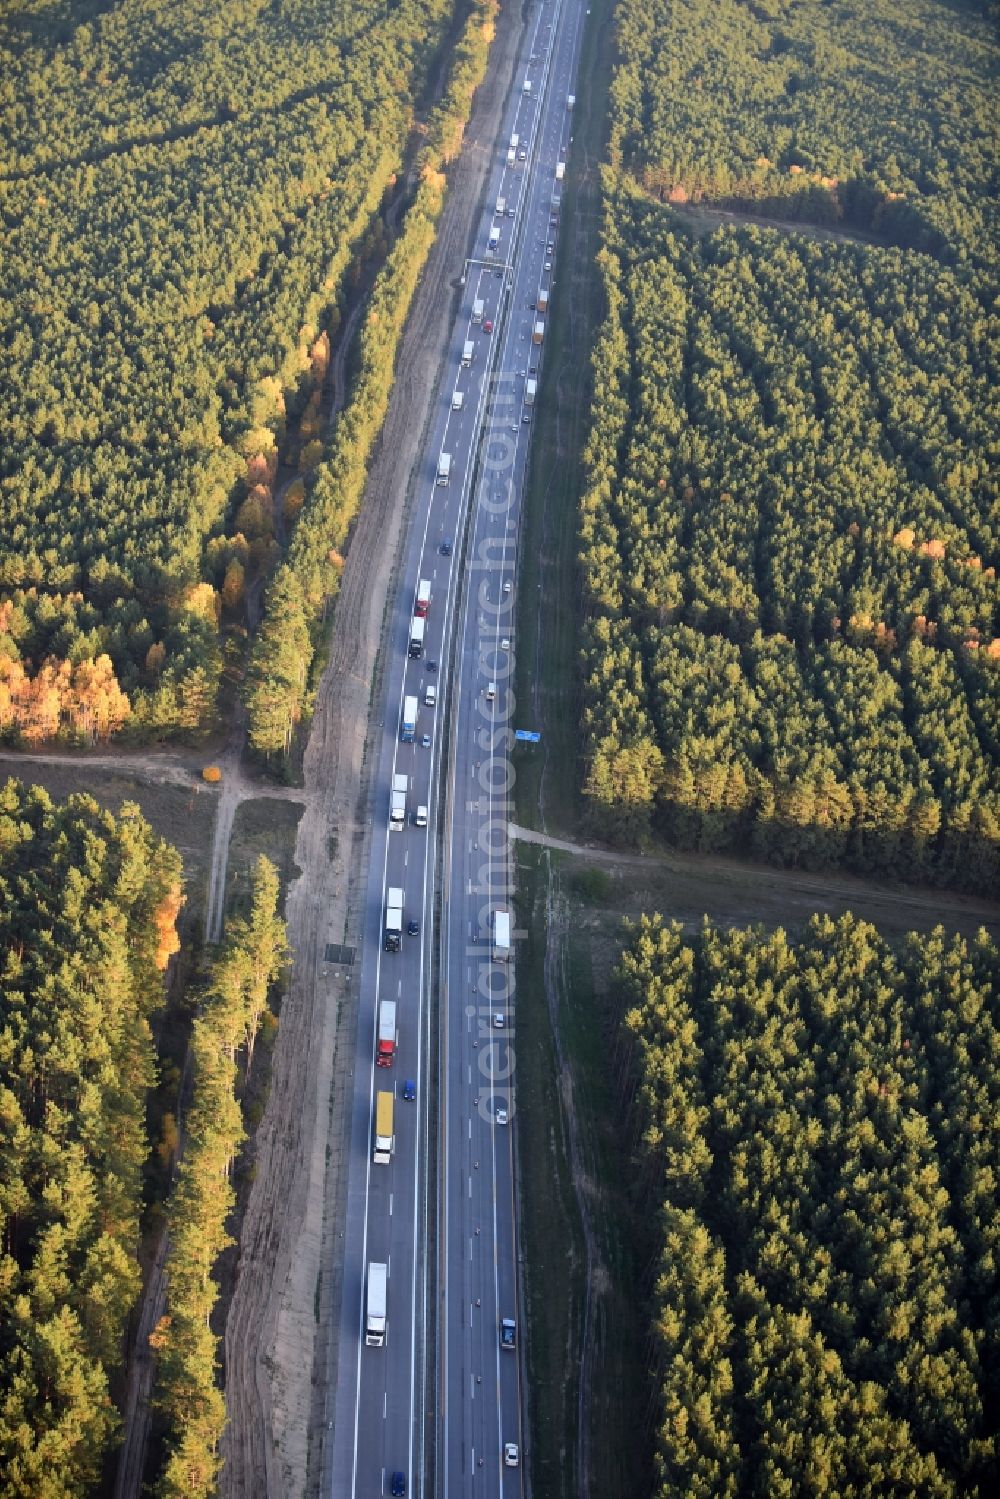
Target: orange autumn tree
83, 700
165, 922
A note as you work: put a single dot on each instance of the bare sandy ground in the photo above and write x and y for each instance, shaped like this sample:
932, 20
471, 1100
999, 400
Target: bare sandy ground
278, 1356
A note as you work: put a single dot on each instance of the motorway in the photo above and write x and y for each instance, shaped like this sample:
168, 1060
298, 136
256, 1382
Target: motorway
439, 1401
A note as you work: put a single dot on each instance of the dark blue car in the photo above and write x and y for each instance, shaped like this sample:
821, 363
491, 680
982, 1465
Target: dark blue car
409, 1090
398, 1489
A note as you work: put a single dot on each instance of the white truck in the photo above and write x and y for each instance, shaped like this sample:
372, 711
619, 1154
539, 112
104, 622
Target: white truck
511, 156
501, 936
417, 628
393, 919
570, 100
408, 728
560, 170
478, 306
385, 1047
530, 389
397, 801
494, 240
526, 87
385, 1138
376, 1317
444, 468
457, 400
468, 353
501, 205
515, 141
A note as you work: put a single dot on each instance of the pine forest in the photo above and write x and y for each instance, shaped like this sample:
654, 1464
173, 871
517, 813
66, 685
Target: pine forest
790, 525
819, 1157
88, 904
185, 190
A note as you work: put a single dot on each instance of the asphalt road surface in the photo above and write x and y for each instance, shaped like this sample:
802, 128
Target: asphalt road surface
441, 1395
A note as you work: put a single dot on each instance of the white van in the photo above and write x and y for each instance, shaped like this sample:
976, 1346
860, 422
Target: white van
430, 695
420, 821
491, 691
457, 400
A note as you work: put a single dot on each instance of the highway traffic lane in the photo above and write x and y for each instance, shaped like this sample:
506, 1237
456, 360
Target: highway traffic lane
405, 624
397, 871
490, 1267
468, 1432
370, 1378
505, 1232
455, 1271
501, 1261
384, 1385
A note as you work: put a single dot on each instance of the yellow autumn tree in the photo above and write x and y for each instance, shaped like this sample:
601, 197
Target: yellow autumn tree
96, 704
165, 922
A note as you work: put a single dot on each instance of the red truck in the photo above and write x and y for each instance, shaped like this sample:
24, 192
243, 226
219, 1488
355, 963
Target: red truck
423, 603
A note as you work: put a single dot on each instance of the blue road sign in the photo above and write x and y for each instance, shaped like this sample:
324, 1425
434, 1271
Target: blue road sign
527, 735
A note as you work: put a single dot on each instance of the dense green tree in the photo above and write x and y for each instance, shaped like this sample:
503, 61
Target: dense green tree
788, 530
279, 665
314, 557
812, 1119
784, 551
822, 113
88, 903
184, 190
238, 987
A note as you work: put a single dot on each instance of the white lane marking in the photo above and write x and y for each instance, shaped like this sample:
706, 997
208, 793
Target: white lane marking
390, 1204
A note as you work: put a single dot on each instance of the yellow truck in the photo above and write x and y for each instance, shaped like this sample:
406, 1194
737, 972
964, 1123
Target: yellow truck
385, 1140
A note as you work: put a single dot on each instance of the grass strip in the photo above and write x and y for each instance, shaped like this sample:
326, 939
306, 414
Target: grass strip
548, 622
552, 1241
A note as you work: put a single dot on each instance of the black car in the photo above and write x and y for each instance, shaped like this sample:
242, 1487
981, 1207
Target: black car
432, 666
446, 549
414, 928
398, 1489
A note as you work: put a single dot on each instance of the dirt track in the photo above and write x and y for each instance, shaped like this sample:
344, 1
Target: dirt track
163, 767
277, 1356
737, 892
